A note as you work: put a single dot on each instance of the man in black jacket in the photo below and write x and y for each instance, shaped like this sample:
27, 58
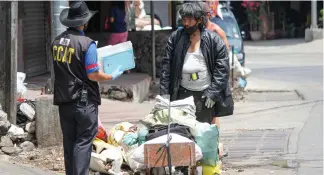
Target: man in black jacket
76, 89
195, 64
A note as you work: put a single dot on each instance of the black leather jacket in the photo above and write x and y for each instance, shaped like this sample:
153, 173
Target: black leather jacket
215, 54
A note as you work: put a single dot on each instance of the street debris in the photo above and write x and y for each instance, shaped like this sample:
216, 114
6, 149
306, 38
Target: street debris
21, 137
49, 159
120, 93
21, 88
124, 144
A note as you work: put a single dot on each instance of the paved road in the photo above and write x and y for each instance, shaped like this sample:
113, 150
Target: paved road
310, 143
280, 69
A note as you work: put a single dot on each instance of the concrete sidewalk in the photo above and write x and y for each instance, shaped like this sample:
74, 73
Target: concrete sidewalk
9, 168
283, 46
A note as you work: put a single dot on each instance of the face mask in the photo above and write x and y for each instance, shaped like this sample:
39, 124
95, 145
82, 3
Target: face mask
191, 30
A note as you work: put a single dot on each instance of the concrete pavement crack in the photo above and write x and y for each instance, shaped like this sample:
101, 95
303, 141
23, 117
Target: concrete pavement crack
279, 107
309, 114
260, 144
300, 95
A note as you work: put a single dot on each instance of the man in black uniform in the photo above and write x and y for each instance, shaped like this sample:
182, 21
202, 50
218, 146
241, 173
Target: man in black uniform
76, 90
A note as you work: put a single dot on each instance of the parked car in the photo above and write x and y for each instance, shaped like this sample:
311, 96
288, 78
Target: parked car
232, 30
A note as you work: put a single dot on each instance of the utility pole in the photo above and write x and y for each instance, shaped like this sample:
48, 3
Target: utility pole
153, 41
56, 28
314, 14
8, 57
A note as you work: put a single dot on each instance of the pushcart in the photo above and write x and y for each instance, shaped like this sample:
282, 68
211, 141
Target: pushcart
170, 154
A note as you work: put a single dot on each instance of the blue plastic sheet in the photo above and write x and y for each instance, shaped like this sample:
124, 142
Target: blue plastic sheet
207, 139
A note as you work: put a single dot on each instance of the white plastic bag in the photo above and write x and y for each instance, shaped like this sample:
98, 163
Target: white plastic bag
29, 111
97, 161
138, 154
21, 88
127, 152
239, 70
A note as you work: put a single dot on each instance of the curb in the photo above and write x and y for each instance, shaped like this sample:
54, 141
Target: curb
269, 90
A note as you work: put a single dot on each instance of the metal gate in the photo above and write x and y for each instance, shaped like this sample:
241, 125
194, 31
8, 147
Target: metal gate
34, 37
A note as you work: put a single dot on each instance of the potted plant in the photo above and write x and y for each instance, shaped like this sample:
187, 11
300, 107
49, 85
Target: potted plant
253, 13
291, 30
320, 25
265, 19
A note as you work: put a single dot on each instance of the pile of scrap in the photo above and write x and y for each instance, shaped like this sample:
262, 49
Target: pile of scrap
21, 137
15, 139
123, 145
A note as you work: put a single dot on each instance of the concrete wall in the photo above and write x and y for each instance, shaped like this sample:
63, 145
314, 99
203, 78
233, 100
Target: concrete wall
48, 128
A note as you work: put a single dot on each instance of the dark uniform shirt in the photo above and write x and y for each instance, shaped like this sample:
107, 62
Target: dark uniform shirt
69, 51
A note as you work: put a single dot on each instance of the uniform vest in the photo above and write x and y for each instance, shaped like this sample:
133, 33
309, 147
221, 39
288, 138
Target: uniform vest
68, 54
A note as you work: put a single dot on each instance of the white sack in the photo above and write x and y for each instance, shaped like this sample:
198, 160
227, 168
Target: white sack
29, 111
97, 161
21, 88
239, 71
187, 105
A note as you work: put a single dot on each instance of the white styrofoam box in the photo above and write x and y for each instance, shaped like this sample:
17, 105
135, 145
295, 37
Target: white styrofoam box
111, 57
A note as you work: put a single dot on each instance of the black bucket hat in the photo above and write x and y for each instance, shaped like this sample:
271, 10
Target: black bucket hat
77, 15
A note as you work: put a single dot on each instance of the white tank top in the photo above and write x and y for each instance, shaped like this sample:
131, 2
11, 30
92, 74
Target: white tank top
195, 63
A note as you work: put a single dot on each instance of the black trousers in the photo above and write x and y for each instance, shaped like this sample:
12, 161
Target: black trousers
79, 123
203, 113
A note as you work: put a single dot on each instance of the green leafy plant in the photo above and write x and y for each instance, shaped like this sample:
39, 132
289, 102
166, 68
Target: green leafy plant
252, 9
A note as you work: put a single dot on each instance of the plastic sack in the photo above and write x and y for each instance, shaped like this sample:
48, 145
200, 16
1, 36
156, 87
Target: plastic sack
102, 134
21, 88
28, 111
130, 139
112, 157
206, 137
127, 151
142, 133
138, 154
106, 154
239, 70
117, 133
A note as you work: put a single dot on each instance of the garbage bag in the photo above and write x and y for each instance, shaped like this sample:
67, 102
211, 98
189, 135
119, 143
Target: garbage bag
142, 133
186, 105
106, 158
127, 151
117, 133
130, 139
239, 70
21, 88
242, 82
177, 116
206, 137
138, 154
102, 134
25, 112
108, 161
